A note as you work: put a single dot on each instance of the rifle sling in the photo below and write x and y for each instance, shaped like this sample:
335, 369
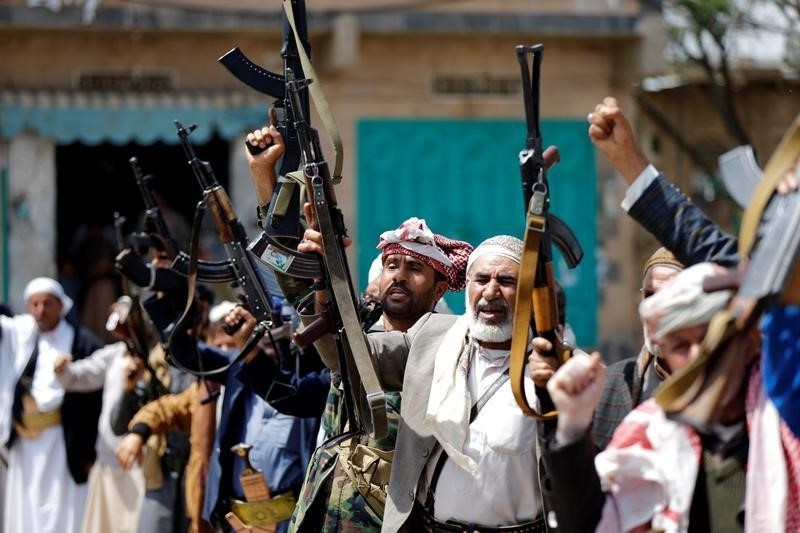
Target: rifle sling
284, 198
473, 414
355, 346
320, 102
535, 228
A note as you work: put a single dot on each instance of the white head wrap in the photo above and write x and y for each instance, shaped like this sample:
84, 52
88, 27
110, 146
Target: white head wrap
219, 311
375, 268
414, 235
683, 303
48, 286
502, 245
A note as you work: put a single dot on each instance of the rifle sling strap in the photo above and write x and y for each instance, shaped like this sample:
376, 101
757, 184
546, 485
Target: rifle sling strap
473, 414
534, 230
373, 414
320, 101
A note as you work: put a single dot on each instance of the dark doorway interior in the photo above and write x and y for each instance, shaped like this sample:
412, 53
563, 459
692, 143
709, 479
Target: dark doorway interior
95, 181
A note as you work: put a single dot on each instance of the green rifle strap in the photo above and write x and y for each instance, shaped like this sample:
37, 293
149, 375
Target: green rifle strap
297, 177
320, 102
284, 197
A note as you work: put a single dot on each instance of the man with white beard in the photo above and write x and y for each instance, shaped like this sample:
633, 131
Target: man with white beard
465, 454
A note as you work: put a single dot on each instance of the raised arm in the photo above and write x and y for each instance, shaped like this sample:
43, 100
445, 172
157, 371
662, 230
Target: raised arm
87, 374
657, 205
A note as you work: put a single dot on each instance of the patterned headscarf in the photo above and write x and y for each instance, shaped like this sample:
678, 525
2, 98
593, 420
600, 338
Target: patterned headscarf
414, 238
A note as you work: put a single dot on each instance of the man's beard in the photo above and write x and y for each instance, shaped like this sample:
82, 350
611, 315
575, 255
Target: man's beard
488, 331
412, 308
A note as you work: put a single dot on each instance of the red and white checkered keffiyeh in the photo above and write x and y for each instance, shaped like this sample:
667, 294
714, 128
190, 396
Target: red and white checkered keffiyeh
446, 256
649, 470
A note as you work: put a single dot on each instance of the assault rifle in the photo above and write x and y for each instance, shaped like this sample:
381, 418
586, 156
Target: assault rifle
536, 286
770, 236
127, 320
240, 261
365, 402
155, 235
282, 218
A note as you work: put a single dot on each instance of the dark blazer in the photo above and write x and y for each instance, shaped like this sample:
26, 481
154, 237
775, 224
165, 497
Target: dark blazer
572, 482
80, 413
682, 227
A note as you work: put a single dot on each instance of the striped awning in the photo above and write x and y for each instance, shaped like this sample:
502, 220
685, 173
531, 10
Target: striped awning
120, 118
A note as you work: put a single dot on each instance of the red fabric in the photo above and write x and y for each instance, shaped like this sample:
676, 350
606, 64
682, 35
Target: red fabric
457, 251
791, 453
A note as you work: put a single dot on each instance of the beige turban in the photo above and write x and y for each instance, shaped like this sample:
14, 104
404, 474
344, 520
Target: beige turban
662, 257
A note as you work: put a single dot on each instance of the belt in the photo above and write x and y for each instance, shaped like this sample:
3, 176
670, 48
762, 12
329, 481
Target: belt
432, 525
40, 421
265, 512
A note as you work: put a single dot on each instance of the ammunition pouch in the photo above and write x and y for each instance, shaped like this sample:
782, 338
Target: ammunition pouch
368, 468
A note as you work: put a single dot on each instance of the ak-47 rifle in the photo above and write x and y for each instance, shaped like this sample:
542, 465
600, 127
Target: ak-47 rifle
282, 217
132, 322
366, 405
240, 261
127, 320
155, 235
536, 285
769, 250
155, 232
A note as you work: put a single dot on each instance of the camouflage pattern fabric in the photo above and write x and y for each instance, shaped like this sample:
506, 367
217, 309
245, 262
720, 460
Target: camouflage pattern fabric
329, 501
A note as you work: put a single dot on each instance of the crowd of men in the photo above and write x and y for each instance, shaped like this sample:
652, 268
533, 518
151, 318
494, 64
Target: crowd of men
206, 431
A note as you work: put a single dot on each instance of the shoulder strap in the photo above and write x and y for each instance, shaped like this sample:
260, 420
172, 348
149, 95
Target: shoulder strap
473, 414
23, 386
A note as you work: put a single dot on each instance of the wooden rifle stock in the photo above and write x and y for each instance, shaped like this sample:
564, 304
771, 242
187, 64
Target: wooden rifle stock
322, 325
536, 296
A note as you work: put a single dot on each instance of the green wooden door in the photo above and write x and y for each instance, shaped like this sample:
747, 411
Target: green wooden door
462, 177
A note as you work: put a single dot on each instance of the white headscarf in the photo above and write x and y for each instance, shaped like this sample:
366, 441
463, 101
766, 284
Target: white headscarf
683, 303
48, 286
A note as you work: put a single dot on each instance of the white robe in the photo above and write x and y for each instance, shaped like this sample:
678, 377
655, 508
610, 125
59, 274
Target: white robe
40, 495
114, 495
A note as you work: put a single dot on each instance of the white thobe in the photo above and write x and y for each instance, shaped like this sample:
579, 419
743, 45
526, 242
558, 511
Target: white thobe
114, 495
41, 495
502, 441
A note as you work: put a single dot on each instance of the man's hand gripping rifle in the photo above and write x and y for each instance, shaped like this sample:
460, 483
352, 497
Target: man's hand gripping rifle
536, 285
365, 398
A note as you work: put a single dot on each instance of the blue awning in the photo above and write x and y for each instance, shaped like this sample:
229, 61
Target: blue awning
94, 118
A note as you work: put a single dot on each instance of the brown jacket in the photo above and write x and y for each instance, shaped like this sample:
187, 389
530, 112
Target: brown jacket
182, 412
